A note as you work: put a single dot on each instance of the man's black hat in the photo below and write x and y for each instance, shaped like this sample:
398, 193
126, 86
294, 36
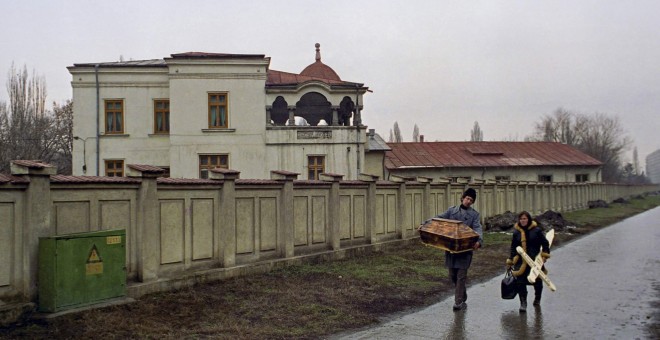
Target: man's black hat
472, 193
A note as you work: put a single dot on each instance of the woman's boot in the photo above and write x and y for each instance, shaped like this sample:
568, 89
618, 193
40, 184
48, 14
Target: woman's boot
538, 290
523, 303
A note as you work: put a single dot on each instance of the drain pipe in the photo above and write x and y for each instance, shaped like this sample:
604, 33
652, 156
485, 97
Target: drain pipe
98, 118
359, 122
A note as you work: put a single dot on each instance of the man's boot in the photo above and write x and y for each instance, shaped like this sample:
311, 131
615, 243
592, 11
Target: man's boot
537, 300
523, 304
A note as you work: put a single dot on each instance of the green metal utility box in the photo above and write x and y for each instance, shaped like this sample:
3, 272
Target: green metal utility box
81, 269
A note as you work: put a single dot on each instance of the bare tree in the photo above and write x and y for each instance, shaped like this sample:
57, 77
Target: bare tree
27, 129
415, 134
476, 135
598, 135
562, 126
391, 139
63, 124
397, 133
635, 161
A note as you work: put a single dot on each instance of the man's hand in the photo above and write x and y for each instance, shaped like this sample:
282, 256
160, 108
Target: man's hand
477, 245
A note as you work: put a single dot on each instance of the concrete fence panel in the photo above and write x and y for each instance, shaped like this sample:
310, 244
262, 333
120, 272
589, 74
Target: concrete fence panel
386, 214
353, 214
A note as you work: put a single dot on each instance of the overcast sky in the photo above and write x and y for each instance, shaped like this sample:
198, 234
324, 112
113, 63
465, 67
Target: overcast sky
439, 64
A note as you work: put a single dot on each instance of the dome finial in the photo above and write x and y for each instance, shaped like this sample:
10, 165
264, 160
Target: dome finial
318, 51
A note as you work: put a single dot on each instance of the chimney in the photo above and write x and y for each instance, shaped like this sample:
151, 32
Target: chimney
421, 138
372, 132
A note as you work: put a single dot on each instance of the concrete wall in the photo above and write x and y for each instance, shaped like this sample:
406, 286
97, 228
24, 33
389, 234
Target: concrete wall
183, 231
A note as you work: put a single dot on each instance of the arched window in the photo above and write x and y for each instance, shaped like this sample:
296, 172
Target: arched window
313, 106
279, 113
346, 108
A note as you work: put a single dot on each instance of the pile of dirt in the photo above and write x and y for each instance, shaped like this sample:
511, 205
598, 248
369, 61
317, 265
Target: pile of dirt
597, 204
500, 222
621, 200
504, 222
551, 219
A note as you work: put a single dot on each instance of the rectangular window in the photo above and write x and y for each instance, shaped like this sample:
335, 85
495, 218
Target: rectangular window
218, 110
582, 177
502, 178
315, 166
114, 116
208, 162
114, 168
162, 116
545, 178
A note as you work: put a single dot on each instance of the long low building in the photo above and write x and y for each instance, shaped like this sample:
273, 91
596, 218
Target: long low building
500, 161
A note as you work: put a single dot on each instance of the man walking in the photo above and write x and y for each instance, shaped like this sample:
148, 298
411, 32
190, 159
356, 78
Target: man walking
458, 264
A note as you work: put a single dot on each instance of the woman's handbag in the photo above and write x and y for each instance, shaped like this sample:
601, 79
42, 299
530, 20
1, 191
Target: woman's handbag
509, 286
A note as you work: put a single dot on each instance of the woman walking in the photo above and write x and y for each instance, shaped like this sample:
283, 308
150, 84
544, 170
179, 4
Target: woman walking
530, 237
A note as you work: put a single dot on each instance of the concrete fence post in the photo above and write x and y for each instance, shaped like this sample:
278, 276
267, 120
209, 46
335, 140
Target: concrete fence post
148, 217
285, 234
370, 220
507, 197
535, 199
426, 196
333, 209
402, 215
495, 201
38, 206
227, 223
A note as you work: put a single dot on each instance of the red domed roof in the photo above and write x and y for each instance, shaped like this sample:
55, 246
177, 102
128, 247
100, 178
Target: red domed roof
319, 69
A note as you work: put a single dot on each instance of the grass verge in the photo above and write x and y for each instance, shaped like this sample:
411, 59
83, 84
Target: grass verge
304, 301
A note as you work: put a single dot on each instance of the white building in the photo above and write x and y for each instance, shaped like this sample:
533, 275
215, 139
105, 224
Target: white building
194, 111
653, 166
497, 161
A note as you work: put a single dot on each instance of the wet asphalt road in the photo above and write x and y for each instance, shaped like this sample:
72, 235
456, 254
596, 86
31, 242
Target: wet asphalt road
605, 285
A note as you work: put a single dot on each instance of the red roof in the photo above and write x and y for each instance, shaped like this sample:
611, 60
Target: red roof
485, 154
211, 55
320, 70
280, 78
34, 164
187, 181
315, 71
93, 179
4, 178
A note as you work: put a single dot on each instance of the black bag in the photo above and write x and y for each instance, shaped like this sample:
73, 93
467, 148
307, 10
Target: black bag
509, 286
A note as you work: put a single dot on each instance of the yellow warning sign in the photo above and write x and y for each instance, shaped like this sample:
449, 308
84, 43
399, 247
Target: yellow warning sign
94, 268
113, 239
94, 256
94, 262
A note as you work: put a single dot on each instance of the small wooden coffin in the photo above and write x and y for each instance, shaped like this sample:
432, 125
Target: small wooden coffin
450, 235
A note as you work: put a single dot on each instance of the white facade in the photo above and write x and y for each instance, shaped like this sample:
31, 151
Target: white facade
249, 142
653, 166
564, 174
